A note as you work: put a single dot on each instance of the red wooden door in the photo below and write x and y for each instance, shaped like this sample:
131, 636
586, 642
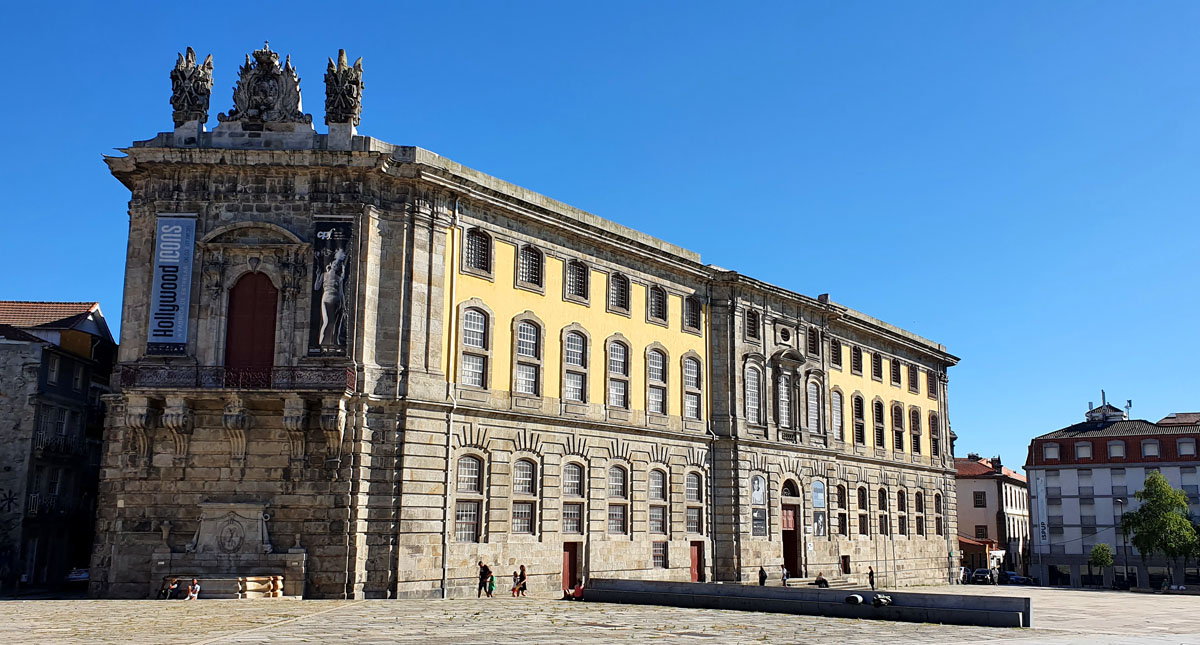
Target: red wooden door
697, 561
789, 518
250, 331
570, 569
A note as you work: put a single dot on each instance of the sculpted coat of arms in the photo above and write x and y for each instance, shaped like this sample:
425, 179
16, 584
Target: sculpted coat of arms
191, 86
343, 90
266, 91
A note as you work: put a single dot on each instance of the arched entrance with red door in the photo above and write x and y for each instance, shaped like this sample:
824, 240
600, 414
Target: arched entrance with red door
250, 332
792, 530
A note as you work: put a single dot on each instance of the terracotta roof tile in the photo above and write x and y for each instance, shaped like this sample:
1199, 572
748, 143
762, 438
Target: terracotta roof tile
20, 313
978, 468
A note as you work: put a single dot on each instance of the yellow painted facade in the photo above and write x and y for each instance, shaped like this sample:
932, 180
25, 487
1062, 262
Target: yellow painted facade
508, 301
870, 388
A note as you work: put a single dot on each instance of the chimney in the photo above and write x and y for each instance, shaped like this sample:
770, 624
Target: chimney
973, 456
996, 465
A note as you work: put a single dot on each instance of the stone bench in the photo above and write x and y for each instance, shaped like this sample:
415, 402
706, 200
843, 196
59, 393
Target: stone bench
230, 587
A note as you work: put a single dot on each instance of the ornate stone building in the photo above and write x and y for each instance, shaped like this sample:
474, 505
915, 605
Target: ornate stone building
364, 368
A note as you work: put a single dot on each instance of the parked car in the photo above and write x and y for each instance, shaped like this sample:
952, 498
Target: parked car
983, 577
1014, 578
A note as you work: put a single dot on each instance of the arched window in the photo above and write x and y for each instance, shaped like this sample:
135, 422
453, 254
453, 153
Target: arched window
937, 509
901, 512
856, 360
694, 488
691, 313
529, 267
656, 386
883, 499
618, 375
818, 491
695, 513
897, 428
575, 367
478, 251
919, 507
573, 480
835, 353
618, 506
814, 407
864, 521
814, 342
656, 305
885, 522
843, 507
752, 324
914, 428
658, 485
528, 365
835, 416
860, 421
691, 388
658, 506
935, 435
901, 502
577, 281
469, 503
753, 404
475, 348
783, 399
524, 482
790, 489
618, 293
617, 484
877, 366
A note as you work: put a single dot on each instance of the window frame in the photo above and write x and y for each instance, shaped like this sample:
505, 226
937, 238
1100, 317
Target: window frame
897, 372
623, 377
692, 315
753, 374
812, 407
812, 341
837, 414
651, 292
585, 281
1115, 443
658, 385
467, 497
835, 354
858, 412
569, 493
1157, 448
1046, 451
856, 360
484, 354
752, 325
467, 264
527, 253
534, 362
877, 366
692, 389
566, 368
615, 278
1181, 442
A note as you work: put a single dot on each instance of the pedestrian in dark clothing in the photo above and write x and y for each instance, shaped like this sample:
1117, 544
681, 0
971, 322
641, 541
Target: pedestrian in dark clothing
871, 577
484, 573
522, 582
762, 577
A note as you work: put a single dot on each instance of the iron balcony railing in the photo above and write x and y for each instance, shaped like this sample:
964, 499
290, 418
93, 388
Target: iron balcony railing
58, 443
270, 378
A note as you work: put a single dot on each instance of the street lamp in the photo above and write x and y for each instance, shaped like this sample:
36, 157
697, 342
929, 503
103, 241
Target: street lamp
1124, 557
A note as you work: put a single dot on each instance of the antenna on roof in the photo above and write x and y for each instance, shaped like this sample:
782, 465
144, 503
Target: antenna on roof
1128, 407
1090, 406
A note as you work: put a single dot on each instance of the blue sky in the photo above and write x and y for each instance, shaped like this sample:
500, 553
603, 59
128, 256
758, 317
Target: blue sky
1015, 180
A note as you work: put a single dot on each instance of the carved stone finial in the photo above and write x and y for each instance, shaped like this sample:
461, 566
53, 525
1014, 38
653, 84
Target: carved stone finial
265, 91
191, 87
343, 90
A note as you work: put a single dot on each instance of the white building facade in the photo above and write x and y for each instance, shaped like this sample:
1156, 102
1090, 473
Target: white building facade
993, 504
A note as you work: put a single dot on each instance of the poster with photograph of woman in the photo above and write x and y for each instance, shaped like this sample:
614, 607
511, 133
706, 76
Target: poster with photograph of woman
331, 262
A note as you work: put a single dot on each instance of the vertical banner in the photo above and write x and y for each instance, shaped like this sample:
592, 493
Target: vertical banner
1043, 531
171, 291
331, 259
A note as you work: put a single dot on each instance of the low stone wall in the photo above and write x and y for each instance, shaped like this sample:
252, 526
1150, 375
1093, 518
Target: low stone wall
232, 588
986, 611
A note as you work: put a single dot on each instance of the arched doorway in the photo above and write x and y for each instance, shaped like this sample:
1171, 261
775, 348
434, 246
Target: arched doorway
250, 332
792, 529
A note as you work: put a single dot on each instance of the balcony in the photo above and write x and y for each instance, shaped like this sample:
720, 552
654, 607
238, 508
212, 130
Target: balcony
271, 378
46, 442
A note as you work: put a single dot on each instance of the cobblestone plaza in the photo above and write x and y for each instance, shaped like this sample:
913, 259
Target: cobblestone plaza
1060, 616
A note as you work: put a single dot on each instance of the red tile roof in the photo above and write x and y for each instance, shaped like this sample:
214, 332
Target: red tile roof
979, 468
21, 313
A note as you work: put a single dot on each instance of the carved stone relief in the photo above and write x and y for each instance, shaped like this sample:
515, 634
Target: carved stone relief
191, 87
266, 91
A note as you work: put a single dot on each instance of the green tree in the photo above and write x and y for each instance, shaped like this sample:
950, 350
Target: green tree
1160, 525
1100, 557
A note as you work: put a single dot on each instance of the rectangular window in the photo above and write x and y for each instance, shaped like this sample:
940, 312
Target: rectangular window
835, 353
884, 524
1050, 451
1187, 447
660, 555
572, 518
819, 522
814, 341
527, 340
77, 380
860, 434
1083, 450
783, 387
522, 517
474, 369
52, 370
573, 390
693, 520
658, 519
574, 349
914, 379
616, 519
895, 372
920, 525
843, 524
981, 531
916, 444
898, 440
864, 524
877, 367
658, 400
527, 379
980, 499
931, 384
618, 393
1116, 449
879, 441
466, 521
691, 405
902, 525
1149, 448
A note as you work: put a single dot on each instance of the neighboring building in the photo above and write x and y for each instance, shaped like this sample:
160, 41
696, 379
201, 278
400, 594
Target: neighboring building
365, 368
1084, 476
993, 505
55, 362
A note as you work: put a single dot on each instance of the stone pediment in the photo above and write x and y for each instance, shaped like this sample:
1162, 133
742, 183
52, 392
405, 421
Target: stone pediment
251, 233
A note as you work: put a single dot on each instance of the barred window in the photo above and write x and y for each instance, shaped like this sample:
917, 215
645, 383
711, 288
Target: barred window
856, 360
914, 379
577, 279
527, 379
753, 385
478, 250
660, 555
573, 480
691, 373
657, 306
469, 471
835, 415
466, 521
523, 477
814, 341
574, 387
876, 366
896, 372
752, 323
530, 266
835, 352
658, 519
694, 520
522, 517
616, 482
814, 406
657, 365
575, 353
658, 485
475, 329
783, 393
691, 313
656, 400
572, 518
527, 339
618, 359
694, 487
617, 519
618, 292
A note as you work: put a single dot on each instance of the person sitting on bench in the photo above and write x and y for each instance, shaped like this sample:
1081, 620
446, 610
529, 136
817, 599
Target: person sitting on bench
820, 581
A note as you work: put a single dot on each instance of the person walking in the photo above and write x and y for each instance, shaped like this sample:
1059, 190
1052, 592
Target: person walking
491, 585
871, 577
484, 573
522, 582
516, 584
785, 574
762, 577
